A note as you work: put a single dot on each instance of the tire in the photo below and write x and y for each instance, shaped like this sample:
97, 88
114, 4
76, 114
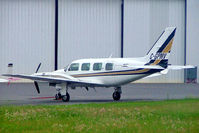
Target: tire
66, 97
116, 96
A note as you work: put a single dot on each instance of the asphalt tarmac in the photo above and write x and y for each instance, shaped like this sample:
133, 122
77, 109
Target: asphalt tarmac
25, 93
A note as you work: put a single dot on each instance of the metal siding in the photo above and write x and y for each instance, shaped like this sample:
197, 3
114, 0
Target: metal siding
27, 35
144, 21
88, 29
193, 33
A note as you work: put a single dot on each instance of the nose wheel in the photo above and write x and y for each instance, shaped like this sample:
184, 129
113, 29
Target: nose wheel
66, 98
62, 92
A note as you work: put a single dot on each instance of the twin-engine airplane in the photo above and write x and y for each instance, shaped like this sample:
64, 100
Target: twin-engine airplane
109, 72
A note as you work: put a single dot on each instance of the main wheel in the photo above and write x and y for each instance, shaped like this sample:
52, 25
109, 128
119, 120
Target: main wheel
66, 97
116, 96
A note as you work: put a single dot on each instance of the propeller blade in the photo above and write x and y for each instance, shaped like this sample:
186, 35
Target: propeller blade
86, 88
37, 86
38, 68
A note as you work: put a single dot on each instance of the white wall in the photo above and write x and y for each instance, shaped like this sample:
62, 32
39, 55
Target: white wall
27, 35
144, 21
193, 33
88, 29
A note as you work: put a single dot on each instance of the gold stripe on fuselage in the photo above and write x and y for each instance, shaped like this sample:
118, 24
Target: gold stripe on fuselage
110, 73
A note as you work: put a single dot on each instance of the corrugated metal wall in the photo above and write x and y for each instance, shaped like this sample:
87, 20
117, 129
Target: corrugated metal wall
193, 33
27, 35
144, 21
88, 29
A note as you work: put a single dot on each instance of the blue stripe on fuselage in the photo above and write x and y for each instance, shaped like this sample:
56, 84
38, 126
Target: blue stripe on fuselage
166, 42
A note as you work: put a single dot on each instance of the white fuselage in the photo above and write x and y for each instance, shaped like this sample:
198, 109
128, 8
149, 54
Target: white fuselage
123, 71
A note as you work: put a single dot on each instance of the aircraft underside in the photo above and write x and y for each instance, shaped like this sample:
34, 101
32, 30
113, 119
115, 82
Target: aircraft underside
107, 81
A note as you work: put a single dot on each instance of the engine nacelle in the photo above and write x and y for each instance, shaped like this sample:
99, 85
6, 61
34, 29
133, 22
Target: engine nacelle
52, 84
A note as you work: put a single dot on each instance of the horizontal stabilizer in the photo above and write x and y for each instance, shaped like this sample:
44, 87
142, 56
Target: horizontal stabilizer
148, 67
176, 67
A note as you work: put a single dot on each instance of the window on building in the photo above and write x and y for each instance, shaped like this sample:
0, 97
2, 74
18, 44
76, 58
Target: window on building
97, 66
85, 67
74, 67
109, 66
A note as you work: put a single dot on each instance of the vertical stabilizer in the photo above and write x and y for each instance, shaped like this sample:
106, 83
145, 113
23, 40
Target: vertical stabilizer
159, 53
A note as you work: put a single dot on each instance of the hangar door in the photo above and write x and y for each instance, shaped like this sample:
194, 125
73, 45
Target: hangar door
88, 29
144, 21
27, 35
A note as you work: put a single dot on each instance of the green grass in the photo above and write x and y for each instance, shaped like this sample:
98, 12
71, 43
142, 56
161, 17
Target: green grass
158, 116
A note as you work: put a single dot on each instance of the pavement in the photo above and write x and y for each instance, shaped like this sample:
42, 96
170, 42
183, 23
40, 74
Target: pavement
25, 93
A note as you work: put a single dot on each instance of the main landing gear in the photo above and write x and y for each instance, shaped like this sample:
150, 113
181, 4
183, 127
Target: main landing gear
62, 93
117, 93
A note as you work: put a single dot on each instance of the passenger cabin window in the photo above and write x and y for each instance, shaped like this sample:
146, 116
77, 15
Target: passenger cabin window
109, 66
85, 67
97, 66
74, 67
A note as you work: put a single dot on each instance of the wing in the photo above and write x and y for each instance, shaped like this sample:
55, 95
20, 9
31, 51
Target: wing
3, 80
57, 79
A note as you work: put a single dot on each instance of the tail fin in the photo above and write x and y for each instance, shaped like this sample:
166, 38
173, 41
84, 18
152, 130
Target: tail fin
159, 53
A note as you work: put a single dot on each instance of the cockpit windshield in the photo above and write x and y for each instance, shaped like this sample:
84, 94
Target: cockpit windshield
65, 68
74, 67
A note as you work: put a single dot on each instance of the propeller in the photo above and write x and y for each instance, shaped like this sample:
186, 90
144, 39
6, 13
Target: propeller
37, 86
86, 88
38, 68
35, 82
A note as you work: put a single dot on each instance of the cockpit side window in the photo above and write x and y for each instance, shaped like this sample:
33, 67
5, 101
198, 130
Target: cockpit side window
97, 66
74, 67
109, 66
85, 67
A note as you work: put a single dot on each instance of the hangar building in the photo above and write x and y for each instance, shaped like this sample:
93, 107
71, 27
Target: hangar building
55, 32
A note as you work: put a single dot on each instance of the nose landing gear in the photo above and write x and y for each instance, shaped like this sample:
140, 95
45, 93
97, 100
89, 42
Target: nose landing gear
66, 98
62, 93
